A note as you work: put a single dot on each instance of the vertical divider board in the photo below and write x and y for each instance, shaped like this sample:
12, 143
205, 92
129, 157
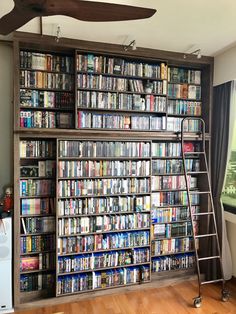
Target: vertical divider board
56, 217
16, 216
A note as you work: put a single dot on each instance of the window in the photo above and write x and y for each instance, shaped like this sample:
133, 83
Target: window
229, 191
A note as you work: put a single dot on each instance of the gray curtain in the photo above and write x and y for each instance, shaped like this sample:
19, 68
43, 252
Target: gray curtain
219, 149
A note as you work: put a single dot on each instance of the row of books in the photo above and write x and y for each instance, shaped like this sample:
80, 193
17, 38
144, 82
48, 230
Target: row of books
46, 62
175, 245
184, 107
38, 224
119, 84
120, 101
102, 280
105, 223
98, 242
92, 261
38, 168
46, 99
33, 282
167, 215
37, 187
184, 91
91, 168
45, 119
173, 198
181, 75
37, 243
136, 86
68, 188
172, 149
114, 121
172, 182
115, 65
179, 261
72, 148
174, 166
174, 124
171, 230
37, 148
37, 206
100, 82
37, 262
38, 79
93, 205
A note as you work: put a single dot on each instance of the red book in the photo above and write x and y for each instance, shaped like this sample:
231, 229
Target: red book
188, 147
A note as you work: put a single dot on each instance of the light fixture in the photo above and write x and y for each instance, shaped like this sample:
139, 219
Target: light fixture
196, 52
58, 34
131, 46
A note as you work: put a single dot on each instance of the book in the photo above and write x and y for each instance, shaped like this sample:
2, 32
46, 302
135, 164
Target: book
118, 65
29, 263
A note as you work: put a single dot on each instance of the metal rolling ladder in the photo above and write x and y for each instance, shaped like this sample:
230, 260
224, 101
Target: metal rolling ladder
210, 213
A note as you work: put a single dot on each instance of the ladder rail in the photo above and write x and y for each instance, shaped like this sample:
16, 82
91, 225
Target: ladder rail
214, 219
203, 150
190, 203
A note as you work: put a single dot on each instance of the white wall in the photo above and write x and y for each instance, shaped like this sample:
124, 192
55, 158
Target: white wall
6, 116
225, 66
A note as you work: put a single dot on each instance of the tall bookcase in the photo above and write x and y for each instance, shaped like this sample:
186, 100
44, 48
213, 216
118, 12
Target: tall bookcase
100, 198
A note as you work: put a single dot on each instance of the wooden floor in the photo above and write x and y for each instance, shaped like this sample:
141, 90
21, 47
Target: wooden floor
172, 299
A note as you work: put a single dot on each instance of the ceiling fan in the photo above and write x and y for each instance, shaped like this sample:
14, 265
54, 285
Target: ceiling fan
25, 10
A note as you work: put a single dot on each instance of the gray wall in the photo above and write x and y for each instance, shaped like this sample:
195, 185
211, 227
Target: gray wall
6, 116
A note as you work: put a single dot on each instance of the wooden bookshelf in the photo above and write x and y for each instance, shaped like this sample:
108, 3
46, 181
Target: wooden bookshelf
104, 94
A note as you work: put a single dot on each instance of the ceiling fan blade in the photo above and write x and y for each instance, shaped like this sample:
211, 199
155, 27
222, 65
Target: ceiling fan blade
97, 11
15, 19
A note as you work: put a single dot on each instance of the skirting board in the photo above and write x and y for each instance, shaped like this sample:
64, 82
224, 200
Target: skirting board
6, 311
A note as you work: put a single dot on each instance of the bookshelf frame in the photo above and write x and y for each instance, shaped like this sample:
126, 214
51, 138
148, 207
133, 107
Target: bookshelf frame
48, 44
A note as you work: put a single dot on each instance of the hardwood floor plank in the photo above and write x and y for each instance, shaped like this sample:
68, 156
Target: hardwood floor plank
172, 299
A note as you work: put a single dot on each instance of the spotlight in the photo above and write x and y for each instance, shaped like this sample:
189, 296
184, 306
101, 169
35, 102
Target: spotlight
131, 46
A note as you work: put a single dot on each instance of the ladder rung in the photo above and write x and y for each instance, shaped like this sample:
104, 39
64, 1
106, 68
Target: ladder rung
196, 172
199, 192
208, 257
202, 214
211, 281
193, 153
205, 235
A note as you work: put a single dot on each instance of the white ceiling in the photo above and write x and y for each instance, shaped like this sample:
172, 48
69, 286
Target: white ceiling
178, 25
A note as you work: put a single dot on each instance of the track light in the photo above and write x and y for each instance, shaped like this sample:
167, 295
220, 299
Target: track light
58, 34
131, 46
195, 52
198, 53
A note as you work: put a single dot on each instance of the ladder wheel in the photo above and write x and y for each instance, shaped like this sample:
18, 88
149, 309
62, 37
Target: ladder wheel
225, 295
197, 302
